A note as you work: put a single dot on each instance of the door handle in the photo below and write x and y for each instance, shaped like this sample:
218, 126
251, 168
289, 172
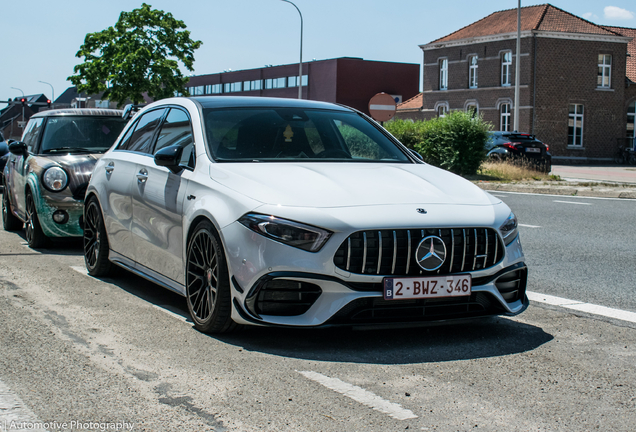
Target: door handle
110, 167
142, 176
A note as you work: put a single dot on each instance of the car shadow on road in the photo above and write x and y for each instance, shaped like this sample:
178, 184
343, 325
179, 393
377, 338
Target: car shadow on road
487, 337
57, 246
479, 338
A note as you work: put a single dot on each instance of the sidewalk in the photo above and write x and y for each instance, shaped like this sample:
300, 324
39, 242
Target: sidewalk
611, 181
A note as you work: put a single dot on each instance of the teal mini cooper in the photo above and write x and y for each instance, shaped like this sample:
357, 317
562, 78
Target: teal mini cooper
48, 171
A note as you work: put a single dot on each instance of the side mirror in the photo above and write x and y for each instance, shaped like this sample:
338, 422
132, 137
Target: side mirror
417, 155
18, 148
169, 157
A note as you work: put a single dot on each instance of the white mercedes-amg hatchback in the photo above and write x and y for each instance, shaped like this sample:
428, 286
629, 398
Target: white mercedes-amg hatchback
283, 212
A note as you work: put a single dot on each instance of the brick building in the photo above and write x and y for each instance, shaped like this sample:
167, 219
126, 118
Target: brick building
577, 81
348, 81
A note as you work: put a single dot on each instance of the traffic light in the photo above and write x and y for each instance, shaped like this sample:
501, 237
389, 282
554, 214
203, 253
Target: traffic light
23, 100
48, 103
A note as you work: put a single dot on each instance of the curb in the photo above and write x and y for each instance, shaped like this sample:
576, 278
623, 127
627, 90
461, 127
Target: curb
599, 190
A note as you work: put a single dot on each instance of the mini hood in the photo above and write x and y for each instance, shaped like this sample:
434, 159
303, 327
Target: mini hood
79, 168
347, 184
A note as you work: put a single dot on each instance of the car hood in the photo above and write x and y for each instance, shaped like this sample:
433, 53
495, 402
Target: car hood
347, 184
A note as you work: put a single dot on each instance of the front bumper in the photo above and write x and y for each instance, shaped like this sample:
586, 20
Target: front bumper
278, 285
49, 203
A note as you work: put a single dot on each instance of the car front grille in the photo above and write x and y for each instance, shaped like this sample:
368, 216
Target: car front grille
392, 252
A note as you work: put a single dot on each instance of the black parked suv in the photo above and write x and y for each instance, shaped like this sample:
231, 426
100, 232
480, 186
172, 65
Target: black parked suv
520, 147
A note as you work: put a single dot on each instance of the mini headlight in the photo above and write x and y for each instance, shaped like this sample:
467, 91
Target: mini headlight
508, 229
291, 233
55, 179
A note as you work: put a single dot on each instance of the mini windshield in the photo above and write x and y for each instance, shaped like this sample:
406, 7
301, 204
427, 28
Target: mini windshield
90, 134
294, 134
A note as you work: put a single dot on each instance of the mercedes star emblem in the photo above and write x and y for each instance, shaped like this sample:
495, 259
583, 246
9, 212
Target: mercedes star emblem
431, 253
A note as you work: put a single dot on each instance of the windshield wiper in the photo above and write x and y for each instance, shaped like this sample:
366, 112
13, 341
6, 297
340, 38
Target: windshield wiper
75, 150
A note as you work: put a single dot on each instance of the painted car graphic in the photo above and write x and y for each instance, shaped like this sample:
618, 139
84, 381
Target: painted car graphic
48, 171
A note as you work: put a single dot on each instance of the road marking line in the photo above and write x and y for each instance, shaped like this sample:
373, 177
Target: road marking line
490, 191
572, 202
361, 395
529, 226
583, 307
12, 409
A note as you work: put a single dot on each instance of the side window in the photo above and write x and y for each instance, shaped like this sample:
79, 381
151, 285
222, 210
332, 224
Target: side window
32, 133
177, 130
125, 141
141, 140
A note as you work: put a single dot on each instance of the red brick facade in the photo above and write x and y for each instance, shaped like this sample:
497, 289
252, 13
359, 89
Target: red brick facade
559, 67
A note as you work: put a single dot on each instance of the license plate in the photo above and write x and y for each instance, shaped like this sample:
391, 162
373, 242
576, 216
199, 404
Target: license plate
427, 287
533, 150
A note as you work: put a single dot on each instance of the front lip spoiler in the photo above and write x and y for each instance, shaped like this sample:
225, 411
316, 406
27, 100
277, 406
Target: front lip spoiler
247, 312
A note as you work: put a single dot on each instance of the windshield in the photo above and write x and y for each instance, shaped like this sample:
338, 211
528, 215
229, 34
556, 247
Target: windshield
294, 134
81, 134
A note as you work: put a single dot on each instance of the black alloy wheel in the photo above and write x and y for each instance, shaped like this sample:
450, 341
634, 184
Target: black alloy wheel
34, 234
9, 221
207, 282
95, 240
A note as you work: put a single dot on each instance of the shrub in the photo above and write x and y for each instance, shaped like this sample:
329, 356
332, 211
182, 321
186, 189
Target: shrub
454, 142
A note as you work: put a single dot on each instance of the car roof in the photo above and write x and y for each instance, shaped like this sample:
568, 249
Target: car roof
263, 102
79, 112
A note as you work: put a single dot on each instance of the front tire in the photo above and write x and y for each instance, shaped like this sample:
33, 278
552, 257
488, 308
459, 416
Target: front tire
207, 282
9, 221
95, 240
34, 234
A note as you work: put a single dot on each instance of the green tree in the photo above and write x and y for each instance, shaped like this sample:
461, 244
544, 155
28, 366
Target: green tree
140, 54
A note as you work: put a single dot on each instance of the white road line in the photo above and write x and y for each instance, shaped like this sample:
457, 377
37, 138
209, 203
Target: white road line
572, 202
361, 395
529, 226
560, 196
583, 307
13, 410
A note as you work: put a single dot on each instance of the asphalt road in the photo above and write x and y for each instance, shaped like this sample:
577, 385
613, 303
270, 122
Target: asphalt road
579, 248
75, 348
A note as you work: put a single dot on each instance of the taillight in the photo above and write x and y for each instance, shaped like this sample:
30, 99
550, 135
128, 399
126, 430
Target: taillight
547, 147
510, 145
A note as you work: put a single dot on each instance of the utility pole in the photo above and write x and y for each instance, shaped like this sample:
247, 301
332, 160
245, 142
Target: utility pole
517, 67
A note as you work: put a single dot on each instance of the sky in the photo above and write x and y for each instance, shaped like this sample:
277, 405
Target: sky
41, 42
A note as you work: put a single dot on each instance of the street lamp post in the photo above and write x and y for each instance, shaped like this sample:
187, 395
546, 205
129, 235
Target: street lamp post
517, 67
22, 104
52, 91
300, 63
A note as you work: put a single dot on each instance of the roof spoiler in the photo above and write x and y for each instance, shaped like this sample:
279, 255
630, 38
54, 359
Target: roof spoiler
130, 109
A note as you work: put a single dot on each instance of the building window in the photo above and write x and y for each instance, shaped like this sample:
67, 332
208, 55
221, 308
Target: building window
305, 80
279, 82
443, 74
442, 110
604, 71
631, 121
504, 118
226, 88
472, 110
236, 87
197, 91
215, 89
292, 81
575, 125
268, 83
506, 68
472, 71
256, 85
246, 85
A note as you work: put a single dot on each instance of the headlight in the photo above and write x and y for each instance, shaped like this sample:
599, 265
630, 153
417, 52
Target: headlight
55, 179
291, 233
508, 229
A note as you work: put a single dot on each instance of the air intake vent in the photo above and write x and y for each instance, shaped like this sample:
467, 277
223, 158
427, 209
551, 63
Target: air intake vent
392, 252
283, 297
